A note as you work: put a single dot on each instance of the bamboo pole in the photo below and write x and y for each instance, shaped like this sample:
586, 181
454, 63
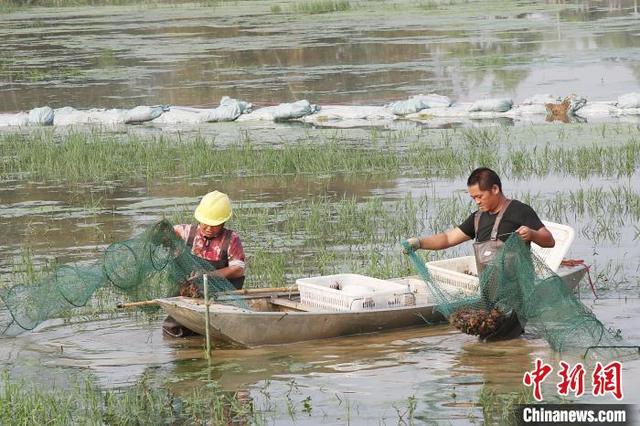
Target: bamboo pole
244, 291
206, 318
261, 290
137, 304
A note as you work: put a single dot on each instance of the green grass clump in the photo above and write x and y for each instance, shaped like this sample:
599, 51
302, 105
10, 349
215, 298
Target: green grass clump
80, 157
85, 403
75, 3
312, 7
438, 4
98, 156
499, 408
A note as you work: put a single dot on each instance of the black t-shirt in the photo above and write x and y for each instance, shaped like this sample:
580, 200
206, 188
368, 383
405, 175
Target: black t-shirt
516, 215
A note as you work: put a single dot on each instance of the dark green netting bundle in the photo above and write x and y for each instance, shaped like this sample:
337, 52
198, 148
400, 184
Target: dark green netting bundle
518, 286
157, 263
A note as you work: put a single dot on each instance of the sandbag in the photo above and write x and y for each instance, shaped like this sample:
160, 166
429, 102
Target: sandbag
229, 110
42, 116
410, 106
433, 100
67, 116
492, 105
294, 110
419, 102
457, 110
629, 100
182, 115
349, 112
598, 109
289, 111
140, 114
245, 107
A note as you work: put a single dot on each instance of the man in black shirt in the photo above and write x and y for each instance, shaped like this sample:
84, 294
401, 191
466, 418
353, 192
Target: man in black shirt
485, 188
513, 216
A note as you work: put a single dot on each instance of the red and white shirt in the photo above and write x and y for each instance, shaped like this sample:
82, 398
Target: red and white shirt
213, 250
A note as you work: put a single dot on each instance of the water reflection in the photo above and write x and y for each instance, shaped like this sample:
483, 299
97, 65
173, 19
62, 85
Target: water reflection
115, 58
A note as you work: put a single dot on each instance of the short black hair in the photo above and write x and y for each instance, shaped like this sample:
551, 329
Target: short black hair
485, 178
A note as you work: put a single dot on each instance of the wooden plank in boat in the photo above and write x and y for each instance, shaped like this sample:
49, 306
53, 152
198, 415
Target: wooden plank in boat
293, 304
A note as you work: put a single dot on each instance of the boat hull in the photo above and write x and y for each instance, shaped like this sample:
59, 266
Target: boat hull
250, 328
245, 327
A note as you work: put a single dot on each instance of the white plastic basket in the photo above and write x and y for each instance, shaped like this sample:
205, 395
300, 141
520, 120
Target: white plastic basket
457, 273
461, 272
417, 287
326, 292
553, 256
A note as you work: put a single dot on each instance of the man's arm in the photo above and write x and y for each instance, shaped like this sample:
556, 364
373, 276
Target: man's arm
231, 272
541, 237
443, 240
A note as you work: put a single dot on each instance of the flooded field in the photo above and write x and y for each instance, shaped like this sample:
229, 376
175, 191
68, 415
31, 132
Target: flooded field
306, 201
322, 218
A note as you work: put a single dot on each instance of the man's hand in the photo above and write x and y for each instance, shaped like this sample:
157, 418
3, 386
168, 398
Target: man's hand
526, 233
414, 244
541, 237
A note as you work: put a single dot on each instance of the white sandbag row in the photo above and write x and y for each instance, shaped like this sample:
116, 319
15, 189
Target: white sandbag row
46, 116
429, 108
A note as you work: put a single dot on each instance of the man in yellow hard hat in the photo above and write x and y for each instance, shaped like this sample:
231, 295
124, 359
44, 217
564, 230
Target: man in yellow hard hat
210, 240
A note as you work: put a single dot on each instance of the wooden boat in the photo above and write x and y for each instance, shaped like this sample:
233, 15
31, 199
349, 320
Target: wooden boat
279, 317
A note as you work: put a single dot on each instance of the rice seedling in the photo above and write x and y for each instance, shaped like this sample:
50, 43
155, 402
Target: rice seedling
408, 412
488, 61
499, 408
22, 4
313, 7
94, 157
618, 204
146, 402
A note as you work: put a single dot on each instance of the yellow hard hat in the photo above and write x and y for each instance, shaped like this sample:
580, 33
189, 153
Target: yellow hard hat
214, 209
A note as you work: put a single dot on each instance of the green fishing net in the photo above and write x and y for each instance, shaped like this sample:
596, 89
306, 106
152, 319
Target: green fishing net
518, 286
156, 263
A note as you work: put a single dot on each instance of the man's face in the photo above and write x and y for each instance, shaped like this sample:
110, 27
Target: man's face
210, 231
486, 200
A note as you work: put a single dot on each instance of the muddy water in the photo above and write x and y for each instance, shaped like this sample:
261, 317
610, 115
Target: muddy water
376, 52
358, 379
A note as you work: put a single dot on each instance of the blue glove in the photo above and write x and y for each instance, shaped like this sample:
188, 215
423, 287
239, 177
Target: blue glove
410, 245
